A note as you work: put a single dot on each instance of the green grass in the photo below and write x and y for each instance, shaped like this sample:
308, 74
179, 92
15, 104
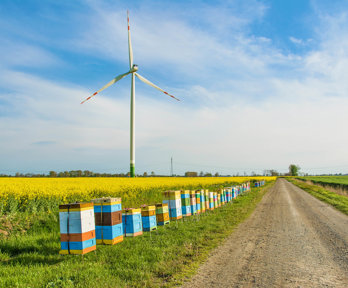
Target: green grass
335, 181
338, 201
162, 258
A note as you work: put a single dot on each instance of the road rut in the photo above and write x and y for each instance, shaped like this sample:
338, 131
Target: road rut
291, 240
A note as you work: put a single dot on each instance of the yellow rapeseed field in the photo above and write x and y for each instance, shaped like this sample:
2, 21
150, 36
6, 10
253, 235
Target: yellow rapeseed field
22, 192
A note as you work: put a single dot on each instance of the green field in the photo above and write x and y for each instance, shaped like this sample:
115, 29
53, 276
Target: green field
334, 180
29, 256
340, 202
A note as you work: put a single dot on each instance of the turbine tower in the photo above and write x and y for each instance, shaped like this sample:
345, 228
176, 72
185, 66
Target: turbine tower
133, 68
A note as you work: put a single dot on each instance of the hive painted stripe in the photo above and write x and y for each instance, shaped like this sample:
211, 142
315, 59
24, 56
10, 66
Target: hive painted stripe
110, 242
75, 209
172, 195
108, 208
78, 252
148, 208
76, 205
108, 219
77, 245
148, 213
76, 222
162, 217
162, 210
130, 211
77, 236
134, 234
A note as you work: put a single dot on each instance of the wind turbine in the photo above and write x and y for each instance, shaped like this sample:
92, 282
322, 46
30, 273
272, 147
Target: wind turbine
133, 68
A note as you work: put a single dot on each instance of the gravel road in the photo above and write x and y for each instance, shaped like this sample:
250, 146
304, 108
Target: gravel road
291, 240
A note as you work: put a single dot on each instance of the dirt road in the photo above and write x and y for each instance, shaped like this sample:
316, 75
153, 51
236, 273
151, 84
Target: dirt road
291, 240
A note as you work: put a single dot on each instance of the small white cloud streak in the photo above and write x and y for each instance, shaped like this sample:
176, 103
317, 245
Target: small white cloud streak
296, 41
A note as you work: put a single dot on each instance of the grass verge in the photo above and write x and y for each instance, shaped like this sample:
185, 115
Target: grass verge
163, 258
338, 201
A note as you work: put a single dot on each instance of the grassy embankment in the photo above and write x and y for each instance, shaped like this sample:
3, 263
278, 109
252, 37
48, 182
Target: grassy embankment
335, 180
161, 258
337, 184
338, 201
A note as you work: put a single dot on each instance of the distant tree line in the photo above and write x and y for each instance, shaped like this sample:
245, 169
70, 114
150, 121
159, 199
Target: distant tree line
72, 173
294, 170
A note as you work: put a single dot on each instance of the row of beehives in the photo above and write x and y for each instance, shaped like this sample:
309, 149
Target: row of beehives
102, 221
260, 183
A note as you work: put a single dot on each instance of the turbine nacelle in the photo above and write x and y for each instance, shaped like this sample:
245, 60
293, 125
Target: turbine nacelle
134, 68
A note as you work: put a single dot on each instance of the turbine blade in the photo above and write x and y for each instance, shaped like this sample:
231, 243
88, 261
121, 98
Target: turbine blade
154, 86
130, 49
113, 81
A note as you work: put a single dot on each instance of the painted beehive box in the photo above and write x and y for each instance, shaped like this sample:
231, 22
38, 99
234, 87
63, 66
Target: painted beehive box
193, 202
162, 214
198, 201
148, 214
211, 201
186, 203
228, 194
222, 198
132, 222
216, 200
206, 194
108, 220
202, 195
173, 199
77, 228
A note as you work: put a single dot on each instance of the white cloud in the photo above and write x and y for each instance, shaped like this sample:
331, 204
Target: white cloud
296, 41
246, 105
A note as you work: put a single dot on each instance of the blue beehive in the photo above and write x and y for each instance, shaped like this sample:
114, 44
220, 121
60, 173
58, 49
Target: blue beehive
132, 222
108, 220
186, 203
211, 201
234, 192
148, 215
193, 202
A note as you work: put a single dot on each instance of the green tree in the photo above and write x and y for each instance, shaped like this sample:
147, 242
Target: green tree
53, 174
293, 170
191, 174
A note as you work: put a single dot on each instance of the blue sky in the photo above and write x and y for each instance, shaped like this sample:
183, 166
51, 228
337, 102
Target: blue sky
262, 83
